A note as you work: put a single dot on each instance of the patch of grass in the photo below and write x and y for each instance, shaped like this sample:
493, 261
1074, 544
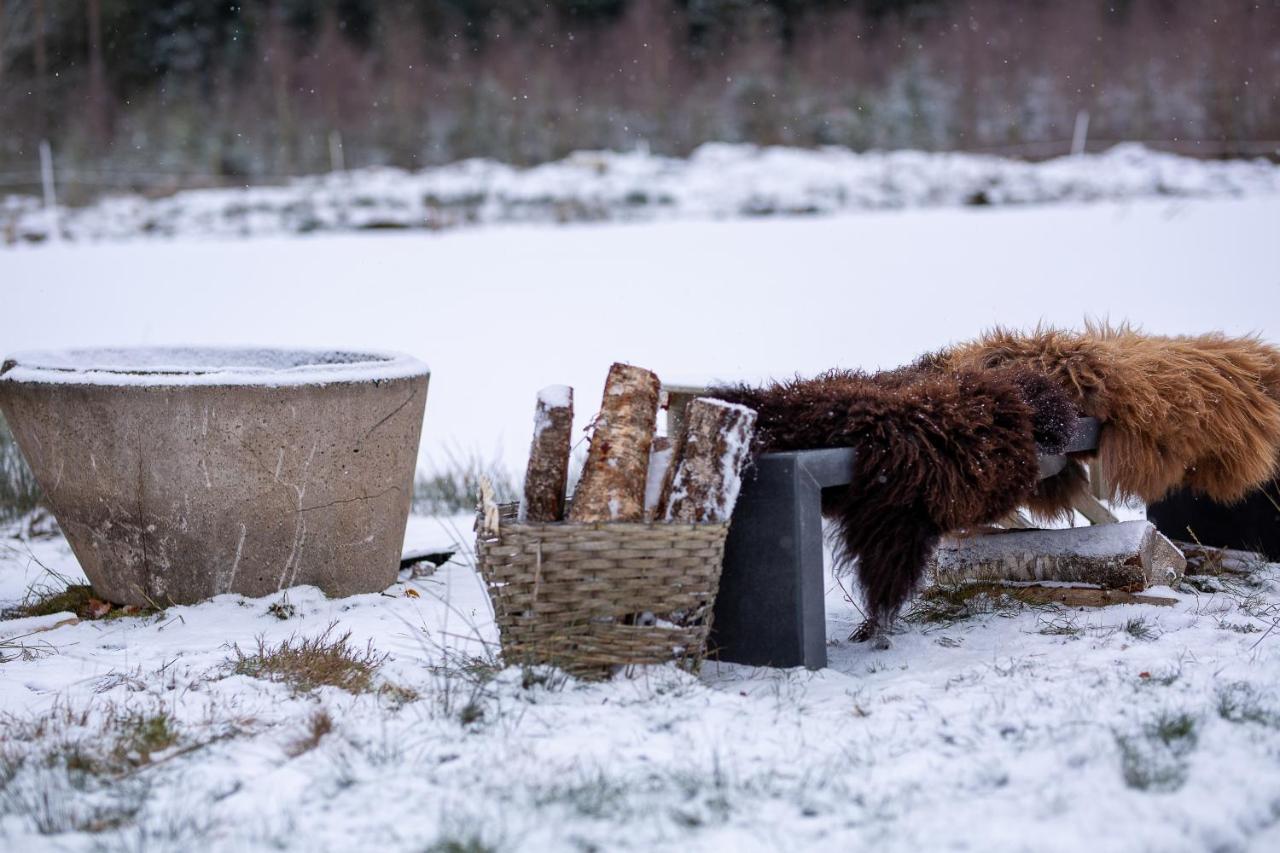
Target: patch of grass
308, 663
455, 486
1139, 629
19, 493
594, 795
397, 695
76, 771
63, 596
1065, 627
461, 844
946, 605
283, 610
320, 724
1156, 758
1241, 702
1165, 678
1174, 728
71, 599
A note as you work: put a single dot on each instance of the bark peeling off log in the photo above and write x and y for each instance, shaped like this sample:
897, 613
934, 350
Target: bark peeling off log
613, 481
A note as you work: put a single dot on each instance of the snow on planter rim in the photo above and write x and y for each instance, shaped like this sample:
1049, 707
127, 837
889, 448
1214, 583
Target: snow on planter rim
212, 365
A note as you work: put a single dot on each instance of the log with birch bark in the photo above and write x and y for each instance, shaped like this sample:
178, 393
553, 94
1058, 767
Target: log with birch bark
1131, 556
613, 480
548, 473
705, 473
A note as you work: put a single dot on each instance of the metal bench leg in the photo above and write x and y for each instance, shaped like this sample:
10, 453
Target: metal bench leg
770, 610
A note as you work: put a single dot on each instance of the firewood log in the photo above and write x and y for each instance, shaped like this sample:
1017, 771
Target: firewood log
705, 474
548, 472
613, 480
1130, 556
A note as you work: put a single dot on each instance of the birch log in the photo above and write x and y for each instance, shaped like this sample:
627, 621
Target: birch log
613, 480
1130, 556
706, 469
548, 472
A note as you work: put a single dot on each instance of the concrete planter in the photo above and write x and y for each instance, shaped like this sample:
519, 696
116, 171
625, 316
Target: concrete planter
179, 474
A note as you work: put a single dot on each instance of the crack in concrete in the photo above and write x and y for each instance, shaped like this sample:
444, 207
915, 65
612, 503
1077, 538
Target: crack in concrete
391, 414
351, 500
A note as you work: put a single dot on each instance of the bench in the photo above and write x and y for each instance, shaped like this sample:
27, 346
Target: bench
770, 610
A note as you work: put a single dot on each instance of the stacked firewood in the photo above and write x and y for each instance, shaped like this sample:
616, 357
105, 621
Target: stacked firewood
633, 474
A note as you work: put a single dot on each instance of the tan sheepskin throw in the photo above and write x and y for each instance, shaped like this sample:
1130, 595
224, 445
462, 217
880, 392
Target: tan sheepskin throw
1200, 412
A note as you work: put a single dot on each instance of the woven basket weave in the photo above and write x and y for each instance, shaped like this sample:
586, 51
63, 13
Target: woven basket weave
592, 597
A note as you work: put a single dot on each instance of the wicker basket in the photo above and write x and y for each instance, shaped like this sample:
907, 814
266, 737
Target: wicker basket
589, 598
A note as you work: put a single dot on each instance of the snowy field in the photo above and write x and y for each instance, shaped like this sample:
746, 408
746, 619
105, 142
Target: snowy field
500, 312
1003, 727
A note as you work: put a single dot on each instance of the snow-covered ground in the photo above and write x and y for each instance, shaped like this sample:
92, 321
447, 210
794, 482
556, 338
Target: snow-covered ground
717, 181
1132, 728
500, 312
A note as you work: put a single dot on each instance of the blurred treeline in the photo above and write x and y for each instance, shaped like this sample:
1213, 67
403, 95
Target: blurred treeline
156, 93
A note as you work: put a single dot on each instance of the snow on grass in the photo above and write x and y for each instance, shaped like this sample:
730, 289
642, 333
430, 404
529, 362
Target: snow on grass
1015, 728
717, 181
500, 312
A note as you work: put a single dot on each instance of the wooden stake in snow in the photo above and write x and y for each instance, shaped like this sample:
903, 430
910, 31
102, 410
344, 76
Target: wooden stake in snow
1131, 556
548, 472
705, 474
613, 480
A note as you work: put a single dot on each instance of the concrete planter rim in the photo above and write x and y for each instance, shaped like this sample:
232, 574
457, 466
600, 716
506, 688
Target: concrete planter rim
207, 366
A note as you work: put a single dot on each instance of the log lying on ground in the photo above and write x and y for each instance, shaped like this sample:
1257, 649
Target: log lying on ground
1130, 556
1208, 560
548, 473
706, 472
613, 480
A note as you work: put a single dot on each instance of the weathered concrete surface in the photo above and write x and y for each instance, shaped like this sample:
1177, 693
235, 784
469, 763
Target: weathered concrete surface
172, 493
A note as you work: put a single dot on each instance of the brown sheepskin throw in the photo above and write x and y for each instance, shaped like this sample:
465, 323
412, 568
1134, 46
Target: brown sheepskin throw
937, 451
1201, 412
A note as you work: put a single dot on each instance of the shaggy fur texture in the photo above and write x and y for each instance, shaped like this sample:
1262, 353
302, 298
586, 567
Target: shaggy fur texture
937, 451
1201, 412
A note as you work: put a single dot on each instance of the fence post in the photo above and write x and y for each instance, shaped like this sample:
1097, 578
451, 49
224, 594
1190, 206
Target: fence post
50, 199
337, 163
1081, 134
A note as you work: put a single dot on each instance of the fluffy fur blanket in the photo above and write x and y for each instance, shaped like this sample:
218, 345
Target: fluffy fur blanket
1201, 412
938, 450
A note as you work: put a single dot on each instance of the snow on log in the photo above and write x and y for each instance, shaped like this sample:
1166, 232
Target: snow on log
613, 481
1132, 556
548, 472
703, 479
659, 464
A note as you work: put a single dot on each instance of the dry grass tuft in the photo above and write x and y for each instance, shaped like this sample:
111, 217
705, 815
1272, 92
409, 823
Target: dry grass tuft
318, 726
309, 663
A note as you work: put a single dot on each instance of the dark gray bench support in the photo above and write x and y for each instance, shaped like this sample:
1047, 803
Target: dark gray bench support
771, 609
